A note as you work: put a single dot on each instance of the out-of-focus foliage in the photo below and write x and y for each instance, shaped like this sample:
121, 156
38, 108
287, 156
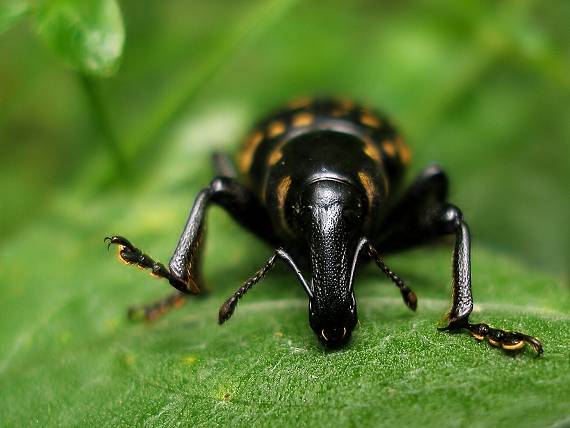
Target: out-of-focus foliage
481, 88
86, 34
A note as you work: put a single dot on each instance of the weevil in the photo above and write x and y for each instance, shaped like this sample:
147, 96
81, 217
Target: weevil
320, 181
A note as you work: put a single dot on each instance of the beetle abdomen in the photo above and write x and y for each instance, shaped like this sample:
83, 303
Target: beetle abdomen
264, 146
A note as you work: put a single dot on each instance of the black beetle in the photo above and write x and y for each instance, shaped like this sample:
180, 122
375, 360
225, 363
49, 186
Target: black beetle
320, 184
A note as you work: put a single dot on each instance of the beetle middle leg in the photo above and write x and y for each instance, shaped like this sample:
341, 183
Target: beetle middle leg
424, 214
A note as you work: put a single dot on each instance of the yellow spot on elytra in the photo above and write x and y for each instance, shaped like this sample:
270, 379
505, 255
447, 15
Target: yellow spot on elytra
370, 120
342, 109
282, 191
477, 336
338, 112
404, 151
275, 129
372, 151
189, 360
494, 342
275, 157
513, 346
389, 147
303, 119
299, 102
278, 334
368, 185
246, 156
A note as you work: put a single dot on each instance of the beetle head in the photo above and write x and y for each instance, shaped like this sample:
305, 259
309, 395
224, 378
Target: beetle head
332, 214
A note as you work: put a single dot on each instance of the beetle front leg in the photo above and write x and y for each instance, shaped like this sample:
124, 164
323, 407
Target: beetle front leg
239, 202
449, 220
183, 272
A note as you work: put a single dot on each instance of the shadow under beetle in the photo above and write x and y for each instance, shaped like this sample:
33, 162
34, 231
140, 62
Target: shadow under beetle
320, 184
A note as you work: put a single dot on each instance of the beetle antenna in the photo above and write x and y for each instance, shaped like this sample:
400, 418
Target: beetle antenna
410, 298
229, 306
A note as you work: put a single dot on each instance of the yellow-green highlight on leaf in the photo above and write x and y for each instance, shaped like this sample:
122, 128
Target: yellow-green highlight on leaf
11, 11
87, 34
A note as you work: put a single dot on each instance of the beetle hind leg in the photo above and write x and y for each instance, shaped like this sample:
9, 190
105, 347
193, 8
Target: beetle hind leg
155, 310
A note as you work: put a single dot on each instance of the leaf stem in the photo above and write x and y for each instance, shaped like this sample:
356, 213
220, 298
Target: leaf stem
101, 121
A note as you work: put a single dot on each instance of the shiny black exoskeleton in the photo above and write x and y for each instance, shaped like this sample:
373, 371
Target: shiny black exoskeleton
320, 183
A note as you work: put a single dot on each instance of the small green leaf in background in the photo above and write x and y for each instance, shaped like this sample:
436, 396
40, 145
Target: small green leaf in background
87, 34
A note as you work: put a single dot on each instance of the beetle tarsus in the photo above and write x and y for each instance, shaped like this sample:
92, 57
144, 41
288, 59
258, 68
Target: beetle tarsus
131, 255
508, 340
505, 339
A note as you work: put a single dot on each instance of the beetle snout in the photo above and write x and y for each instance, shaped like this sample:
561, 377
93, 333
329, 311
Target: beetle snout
333, 328
333, 335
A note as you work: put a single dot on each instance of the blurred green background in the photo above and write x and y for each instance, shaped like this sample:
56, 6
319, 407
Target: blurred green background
108, 114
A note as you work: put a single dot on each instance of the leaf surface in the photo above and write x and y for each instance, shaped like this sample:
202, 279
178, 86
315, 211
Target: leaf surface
69, 356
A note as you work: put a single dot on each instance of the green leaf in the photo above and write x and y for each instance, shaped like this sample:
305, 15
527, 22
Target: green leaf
11, 11
68, 355
86, 34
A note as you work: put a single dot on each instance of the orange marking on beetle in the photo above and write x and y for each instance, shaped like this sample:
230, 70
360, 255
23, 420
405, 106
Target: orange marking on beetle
389, 147
370, 120
372, 151
282, 191
299, 102
248, 151
494, 342
338, 112
368, 185
303, 119
477, 336
120, 257
513, 346
404, 150
275, 129
275, 157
